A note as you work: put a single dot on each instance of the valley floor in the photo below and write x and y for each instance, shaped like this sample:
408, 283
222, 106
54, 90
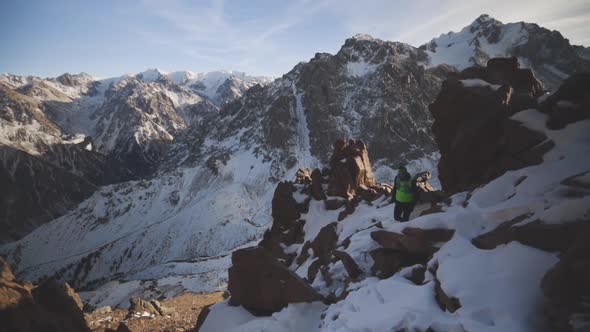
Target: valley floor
183, 312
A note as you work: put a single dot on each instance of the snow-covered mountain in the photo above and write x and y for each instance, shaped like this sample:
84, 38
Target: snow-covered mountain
92, 132
546, 52
220, 87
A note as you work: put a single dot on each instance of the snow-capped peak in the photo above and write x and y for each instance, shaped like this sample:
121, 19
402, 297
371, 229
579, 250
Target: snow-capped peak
150, 75
363, 36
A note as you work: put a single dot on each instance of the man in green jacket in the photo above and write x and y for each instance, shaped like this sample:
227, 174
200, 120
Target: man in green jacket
404, 195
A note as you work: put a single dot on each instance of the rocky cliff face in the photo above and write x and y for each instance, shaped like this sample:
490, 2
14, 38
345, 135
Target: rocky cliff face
551, 56
477, 139
475, 129
373, 90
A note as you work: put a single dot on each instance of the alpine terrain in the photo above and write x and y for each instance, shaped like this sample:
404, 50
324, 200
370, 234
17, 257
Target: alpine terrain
145, 187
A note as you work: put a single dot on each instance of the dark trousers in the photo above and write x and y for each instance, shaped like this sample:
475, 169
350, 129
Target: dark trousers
402, 211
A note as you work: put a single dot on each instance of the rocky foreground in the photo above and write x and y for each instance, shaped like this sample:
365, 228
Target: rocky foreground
55, 306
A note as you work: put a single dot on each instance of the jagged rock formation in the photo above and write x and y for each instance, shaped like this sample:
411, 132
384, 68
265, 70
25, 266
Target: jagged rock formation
350, 169
51, 306
261, 278
477, 138
551, 56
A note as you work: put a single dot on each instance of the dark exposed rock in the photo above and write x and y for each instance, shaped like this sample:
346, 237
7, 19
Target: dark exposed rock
401, 243
477, 140
317, 192
417, 275
285, 213
445, 302
570, 103
262, 285
202, 317
386, 262
349, 264
567, 285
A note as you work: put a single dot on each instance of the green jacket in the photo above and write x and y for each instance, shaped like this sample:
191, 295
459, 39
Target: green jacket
403, 190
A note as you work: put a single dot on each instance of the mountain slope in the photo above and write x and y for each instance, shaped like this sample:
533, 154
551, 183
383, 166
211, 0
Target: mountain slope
546, 52
509, 255
230, 161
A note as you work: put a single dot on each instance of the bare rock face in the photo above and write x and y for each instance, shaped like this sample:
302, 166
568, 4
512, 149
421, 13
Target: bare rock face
350, 169
52, 306
570, 103
261, 284
477, 140
567, 286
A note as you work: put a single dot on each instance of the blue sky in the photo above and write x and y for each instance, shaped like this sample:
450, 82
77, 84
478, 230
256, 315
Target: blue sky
261, 37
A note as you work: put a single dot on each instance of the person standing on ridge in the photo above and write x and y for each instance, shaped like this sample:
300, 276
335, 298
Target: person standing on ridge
404, 195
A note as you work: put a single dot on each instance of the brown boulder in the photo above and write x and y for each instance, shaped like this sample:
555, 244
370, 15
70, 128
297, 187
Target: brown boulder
325, 242
52, 306
262, 285
414, 246
350, 265
386, 262
350, 169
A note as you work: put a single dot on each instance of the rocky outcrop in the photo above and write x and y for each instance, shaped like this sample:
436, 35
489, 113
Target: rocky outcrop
477, 139
51, 306
570, 103
261, 284
413, 246
350, 169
